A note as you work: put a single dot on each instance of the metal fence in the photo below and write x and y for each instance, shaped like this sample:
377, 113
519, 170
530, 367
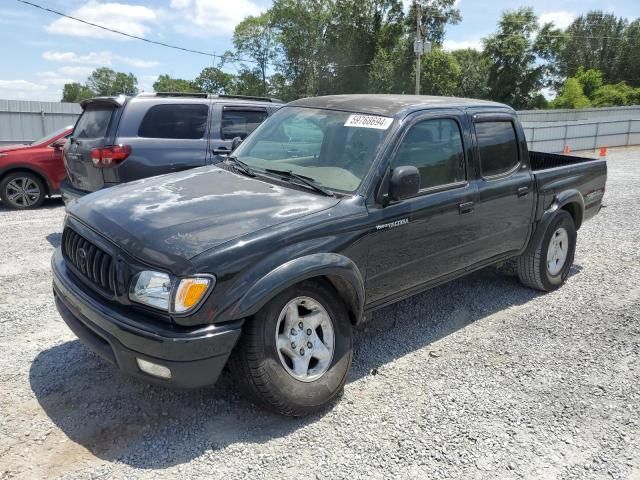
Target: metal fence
566, 115
25, 121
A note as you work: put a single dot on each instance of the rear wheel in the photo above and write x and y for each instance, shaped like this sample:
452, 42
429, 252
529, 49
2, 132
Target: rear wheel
295, 353
22, 190
546, 263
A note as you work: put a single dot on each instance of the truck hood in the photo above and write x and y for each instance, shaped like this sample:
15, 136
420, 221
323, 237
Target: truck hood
168, 219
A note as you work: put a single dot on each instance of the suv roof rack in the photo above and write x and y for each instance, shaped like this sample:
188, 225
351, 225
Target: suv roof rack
210, 95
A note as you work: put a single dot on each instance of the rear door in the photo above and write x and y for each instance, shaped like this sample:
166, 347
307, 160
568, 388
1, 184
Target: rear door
90, 131
505, 185
231, 120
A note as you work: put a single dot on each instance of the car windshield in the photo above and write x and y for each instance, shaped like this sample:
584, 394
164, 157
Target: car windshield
333, 148
49, 138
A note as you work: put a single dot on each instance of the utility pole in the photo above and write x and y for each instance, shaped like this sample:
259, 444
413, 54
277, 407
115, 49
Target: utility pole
418, 45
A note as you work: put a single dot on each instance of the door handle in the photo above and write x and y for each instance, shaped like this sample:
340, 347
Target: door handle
221, 151
466, 207
523, 192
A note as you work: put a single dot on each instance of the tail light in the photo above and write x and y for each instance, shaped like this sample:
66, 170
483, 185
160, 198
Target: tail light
106, 157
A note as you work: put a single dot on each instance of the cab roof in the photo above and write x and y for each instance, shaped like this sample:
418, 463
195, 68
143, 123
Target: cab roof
390, 105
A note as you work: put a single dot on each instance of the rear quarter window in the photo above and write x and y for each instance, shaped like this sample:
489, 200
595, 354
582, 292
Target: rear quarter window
175, 121
93, 123
497, 146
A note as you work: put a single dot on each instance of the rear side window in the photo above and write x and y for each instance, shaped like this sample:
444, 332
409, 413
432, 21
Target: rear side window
435, 148
497, 146
240, 123
93, 123
187, 122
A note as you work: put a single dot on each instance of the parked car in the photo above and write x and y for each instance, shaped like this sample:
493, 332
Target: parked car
332, 208
30, 172
120, 139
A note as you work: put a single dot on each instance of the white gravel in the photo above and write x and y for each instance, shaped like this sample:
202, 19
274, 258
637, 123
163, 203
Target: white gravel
481, 378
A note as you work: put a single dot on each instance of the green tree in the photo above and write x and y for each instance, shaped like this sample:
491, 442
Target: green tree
165, 83
255, 39
630, 55
514, 76
474, 73
105, 82
590, 80
571, 96
248, 82
441, 74
76, 92
214, 80
618, 94
594, 41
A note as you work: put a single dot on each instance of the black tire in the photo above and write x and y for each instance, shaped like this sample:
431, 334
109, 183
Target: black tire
532, 266
256, 364
22, 202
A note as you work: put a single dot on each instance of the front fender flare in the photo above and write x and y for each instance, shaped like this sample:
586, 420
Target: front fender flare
337, 268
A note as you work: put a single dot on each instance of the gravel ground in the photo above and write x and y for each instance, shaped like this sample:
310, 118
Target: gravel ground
481, 378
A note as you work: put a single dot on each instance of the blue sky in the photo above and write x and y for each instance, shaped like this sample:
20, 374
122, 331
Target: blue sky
42, 51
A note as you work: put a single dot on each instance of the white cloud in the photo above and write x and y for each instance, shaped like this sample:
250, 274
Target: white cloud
17, 85
475, 43
104, 58
22, 90
561, 18
132, 19
212, 17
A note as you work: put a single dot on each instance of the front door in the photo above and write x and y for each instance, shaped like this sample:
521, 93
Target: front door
420, 239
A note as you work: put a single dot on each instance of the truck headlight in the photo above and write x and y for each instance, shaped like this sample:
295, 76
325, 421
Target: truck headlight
190, 292
152, 289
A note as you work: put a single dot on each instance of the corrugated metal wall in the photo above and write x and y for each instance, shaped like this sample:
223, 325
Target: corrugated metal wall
25, 121
610, 113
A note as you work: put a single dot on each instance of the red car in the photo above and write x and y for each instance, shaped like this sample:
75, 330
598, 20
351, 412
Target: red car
30, 172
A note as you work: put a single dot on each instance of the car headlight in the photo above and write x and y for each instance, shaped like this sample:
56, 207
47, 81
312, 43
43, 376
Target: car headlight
152, 289
190, 292
155, 289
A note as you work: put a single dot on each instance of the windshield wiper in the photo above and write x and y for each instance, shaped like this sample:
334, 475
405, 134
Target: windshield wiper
308, 181
240, 166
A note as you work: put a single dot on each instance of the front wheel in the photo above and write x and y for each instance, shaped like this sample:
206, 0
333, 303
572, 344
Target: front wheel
294, 355
546, 262
22, 190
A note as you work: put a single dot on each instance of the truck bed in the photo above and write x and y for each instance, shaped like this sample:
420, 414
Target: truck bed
557, 174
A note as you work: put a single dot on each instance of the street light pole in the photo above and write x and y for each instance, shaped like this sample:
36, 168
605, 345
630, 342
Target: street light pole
418, 42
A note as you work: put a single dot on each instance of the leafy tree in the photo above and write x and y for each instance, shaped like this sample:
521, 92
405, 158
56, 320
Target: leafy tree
571, 96
214, 80
165, 83
514, 76
441, 73
248, 82
105, 81
474, 73
594, 41
436, 15
614, 95
590, 80
630, 55
75, 92
255, 39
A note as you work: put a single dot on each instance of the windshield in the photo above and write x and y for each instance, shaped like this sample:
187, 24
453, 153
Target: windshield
334, 148
49, 138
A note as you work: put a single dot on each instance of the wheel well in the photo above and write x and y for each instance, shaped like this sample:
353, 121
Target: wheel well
575, 211
32, 172
345, 291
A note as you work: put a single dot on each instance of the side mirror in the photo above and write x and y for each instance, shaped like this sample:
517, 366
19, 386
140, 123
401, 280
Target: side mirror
59, 143
404, 183
235, 143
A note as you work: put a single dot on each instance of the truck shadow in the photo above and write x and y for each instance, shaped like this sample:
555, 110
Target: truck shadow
122, 419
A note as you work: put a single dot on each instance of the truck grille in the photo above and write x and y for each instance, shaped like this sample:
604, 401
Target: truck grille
93, 263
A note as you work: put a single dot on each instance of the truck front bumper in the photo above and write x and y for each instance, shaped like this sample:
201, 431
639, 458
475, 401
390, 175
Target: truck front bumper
194, 357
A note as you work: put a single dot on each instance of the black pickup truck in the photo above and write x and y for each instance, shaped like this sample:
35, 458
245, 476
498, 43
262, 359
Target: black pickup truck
335, 206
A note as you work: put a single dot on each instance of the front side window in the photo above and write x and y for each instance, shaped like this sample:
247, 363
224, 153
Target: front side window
435, 148
497, 146
240, 123
175, 121
334, 148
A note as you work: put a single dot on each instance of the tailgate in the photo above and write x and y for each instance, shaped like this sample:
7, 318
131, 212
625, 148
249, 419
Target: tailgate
90, 132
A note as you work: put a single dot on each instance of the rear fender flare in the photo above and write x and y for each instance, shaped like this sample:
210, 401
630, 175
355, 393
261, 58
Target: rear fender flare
561, 200
337, 268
